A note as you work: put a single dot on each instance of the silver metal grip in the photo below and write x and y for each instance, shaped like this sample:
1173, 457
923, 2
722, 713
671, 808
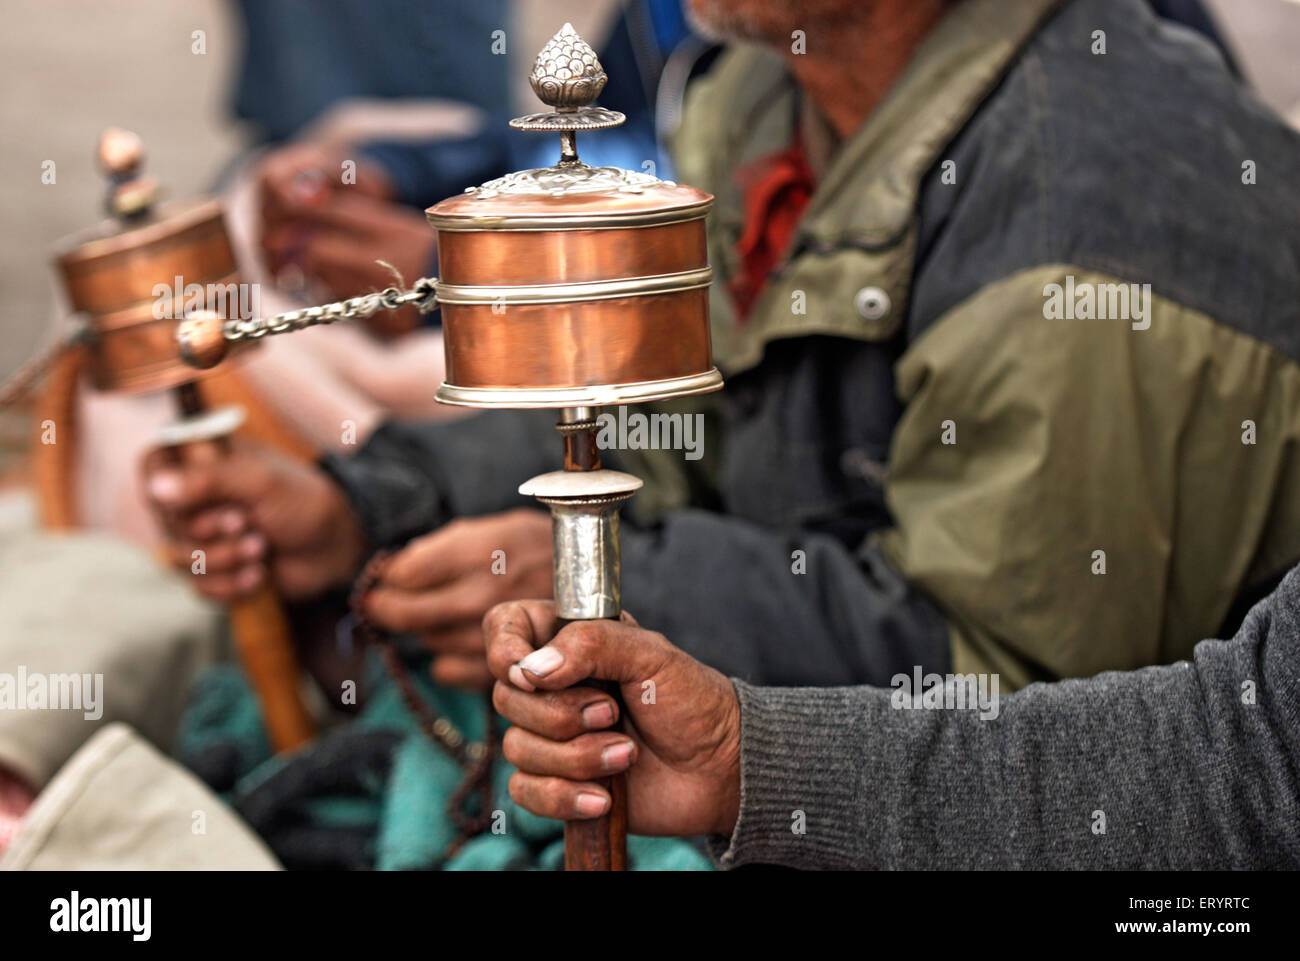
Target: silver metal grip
588, 585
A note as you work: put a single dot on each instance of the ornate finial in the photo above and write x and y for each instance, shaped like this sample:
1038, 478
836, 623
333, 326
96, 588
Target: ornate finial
121, 152
131, 193
566, 74
568, 78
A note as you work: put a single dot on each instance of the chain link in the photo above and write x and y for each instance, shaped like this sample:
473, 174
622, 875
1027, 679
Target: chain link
423, 295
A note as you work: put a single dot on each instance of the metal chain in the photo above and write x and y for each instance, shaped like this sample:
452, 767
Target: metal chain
423, 295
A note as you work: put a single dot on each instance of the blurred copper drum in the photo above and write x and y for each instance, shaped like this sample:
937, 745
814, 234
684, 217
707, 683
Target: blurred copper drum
113, 274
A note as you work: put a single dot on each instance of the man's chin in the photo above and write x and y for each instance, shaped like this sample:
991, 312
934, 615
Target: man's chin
722, 21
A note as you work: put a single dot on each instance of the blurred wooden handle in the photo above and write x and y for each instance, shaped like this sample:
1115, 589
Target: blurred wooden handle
265, 645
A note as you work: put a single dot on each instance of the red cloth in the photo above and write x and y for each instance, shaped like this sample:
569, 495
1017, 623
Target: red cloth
15, 798
775, 190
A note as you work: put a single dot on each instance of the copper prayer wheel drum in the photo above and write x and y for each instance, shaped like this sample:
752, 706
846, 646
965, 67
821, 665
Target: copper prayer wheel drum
573, 285
111, 273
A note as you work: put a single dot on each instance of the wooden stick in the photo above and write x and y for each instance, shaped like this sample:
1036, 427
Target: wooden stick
54, 466
264, 643
264, 640
600, 844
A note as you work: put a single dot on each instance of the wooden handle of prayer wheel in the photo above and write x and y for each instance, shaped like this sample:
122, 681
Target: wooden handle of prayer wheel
264, 642
600, 844
263, 637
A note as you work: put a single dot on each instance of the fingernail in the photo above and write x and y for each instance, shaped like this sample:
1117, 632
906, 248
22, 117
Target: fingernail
251, 546
517, 678
598, 715
309, 186
165, 486
590, 805
616, 757
542, 662
232, 521
248, 578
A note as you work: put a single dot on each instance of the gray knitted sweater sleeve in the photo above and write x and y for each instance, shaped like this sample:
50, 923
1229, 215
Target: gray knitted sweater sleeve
1191, 765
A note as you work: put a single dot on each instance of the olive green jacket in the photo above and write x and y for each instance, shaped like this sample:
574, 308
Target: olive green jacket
954, 433
1075, 493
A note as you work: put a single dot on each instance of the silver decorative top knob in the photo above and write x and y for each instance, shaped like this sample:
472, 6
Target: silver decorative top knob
131, 192
568, 78
567, 75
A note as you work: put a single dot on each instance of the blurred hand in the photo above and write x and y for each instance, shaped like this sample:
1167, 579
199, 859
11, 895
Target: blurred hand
440, 586
16, 797
254, 513
294, 179
335, 232
681, 752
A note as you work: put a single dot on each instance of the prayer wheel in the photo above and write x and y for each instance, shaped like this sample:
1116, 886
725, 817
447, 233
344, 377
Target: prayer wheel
131, 278
114, 273
572, 285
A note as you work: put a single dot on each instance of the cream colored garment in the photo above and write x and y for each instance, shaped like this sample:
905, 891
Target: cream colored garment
87, 605
120, 805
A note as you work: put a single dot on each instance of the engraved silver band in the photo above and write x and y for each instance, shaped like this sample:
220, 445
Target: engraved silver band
573, 293
602, 221
525, 398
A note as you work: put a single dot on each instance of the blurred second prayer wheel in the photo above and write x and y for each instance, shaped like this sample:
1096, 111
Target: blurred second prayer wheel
136, 274
115, 275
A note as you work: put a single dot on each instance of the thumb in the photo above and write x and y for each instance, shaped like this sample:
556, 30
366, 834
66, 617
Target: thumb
596, 650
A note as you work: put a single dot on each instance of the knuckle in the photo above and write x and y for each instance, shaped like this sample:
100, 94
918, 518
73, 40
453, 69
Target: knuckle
511, 748
399, 620
498, 663
501, 697
385, 609
497, 615
499, 659
580, 760
559, 707
542, 796
474, 602
585, 638
557, 792
220, 591
518, 790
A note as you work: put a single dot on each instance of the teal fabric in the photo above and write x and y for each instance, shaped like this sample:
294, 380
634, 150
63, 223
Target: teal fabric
401, 815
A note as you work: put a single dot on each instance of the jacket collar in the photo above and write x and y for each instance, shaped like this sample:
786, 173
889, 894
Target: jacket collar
862, 216
868, 197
